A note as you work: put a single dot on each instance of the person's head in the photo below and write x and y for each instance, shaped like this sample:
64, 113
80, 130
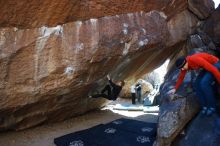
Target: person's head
140, 81
181, 63
121, 83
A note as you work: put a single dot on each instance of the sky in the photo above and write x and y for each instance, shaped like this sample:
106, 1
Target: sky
216, 3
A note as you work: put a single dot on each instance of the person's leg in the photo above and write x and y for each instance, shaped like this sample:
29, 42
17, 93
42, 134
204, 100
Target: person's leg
101, 96
208, 88
133, 98
108, 89
217, 126
199, 91
139, 96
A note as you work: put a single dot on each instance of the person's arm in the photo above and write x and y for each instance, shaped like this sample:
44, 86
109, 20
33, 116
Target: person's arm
138, 86
209, 67
108, 77
110, 81
180, 79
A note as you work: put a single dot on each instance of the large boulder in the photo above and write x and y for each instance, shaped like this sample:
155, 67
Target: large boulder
200, 131
48, 70
201, 8
180, 26
177, 110
212, 27
36, 13
175, 113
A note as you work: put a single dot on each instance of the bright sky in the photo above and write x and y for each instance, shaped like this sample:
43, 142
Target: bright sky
216, 3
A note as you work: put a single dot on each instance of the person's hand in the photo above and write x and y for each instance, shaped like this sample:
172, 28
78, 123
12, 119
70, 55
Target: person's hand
172, 91
108, 77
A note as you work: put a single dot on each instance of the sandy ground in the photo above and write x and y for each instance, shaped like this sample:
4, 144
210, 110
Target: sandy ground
45, 134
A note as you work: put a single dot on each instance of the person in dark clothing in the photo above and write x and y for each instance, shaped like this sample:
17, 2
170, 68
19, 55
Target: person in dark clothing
138, 91
210, 66
112, 90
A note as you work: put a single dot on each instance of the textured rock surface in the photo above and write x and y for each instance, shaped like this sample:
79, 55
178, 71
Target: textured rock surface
200, 131
212, 27
180, 26
177, 110
201, 8
47, 72
35, 13
174, 115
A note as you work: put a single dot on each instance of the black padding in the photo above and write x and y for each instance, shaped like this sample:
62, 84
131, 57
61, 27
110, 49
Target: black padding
135, 126
79, 137
121, 132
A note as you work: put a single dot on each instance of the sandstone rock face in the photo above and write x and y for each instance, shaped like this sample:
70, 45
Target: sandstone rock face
201, 8
36, 13
180, 26
212, 27
47, 72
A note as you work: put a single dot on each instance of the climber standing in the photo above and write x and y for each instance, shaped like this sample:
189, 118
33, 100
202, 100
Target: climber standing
112, 90
209, 66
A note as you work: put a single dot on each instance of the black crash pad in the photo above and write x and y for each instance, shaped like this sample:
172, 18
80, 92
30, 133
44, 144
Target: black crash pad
135, 126
115, 133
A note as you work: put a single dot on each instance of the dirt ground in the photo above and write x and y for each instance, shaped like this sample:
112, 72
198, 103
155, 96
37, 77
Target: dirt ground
45, 134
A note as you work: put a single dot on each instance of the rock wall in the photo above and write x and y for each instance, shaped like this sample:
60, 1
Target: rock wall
212, 27
178, 110
47, 70
36, 13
